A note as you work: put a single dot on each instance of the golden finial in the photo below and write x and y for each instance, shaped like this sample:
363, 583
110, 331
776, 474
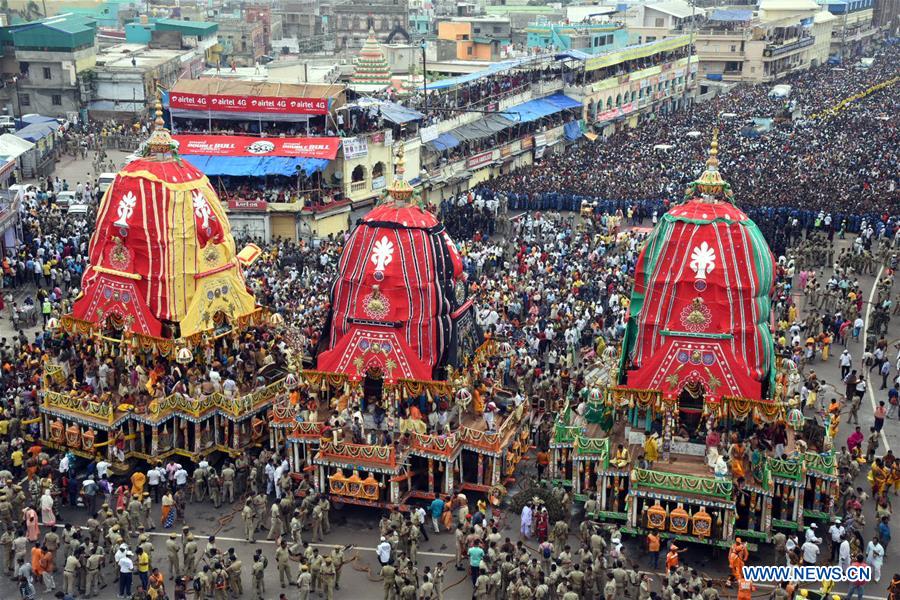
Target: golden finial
400, 190
160, 142
710, 186
159, 122
713, 160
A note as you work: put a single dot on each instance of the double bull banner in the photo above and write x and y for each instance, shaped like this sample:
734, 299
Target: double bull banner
241, 145
248, 104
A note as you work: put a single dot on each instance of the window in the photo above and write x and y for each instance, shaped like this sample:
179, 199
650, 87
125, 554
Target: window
46, 72
660, 22
733, 47
469, 50
56, 100
24, 100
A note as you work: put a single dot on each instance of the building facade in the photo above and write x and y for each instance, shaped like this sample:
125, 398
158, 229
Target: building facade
52, 59
350, 21
591, 38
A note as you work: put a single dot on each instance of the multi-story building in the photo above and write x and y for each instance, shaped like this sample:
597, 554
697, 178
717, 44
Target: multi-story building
477, 38
301, 20
886, 16
51, 60
855, 27
271, 22
351, 20
175, 34
126, 77
591, 38
742, 46
652, 21
243, 43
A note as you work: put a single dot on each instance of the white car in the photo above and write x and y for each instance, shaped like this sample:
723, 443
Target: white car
104, 181
64, 199
78, 209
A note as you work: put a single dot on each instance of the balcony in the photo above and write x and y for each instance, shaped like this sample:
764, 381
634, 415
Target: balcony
780, 49
358, 186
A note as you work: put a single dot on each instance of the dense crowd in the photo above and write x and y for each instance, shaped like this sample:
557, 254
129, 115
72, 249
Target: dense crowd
554, 285
796, 169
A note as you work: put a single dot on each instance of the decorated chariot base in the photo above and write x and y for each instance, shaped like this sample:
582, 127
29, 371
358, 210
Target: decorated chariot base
694, 432
163, 300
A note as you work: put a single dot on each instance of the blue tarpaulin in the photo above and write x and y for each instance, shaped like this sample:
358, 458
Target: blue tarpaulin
256, 166
535, 109
499, 67
725, 14
38, 129
572, 130
399, 114
443, 142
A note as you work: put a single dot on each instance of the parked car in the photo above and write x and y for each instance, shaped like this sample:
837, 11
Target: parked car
104, 181
78, 209
65, 199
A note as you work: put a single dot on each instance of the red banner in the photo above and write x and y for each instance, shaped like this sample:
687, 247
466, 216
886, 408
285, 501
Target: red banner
251, 104
246, 145
248, 205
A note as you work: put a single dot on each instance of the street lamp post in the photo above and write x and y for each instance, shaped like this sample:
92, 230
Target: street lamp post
687, 74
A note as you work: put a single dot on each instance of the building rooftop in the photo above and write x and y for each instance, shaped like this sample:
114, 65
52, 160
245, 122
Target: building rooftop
198, 28
799, 5
676, 8
120, 56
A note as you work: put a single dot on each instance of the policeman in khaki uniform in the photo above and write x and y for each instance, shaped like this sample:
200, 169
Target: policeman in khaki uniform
228, 475
249, 517
172, 549
71, 574
389, 577
304, 582
328, 574
94, 578
282, 560
259, 574
235, 574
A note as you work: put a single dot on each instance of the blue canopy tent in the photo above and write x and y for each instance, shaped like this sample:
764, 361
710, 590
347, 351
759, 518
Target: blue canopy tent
535, 109
444, 141
256, 166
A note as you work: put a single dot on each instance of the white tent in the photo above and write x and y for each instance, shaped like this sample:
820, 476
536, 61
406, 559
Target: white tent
12, 147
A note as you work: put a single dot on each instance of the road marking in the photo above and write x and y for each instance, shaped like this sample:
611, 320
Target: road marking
314, 545
869, 386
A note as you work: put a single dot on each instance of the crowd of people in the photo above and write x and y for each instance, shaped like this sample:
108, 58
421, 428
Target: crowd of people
795, 170
555, 285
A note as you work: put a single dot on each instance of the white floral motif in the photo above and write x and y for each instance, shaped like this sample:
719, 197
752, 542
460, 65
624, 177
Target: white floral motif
703, 260
202, 210
382, 253
125, 209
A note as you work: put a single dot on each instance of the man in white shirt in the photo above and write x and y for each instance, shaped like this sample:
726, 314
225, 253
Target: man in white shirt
384, 552
154, 478
836, 531
126, 572
811, 534
844, 554
810, 553
181, 477
103, 469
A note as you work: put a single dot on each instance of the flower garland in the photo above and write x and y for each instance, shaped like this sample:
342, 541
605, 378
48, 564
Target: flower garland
682, 483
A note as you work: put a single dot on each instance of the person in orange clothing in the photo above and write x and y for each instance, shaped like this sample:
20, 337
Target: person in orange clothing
745, 589
672, 557
36, 555
48, 566
737, 556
